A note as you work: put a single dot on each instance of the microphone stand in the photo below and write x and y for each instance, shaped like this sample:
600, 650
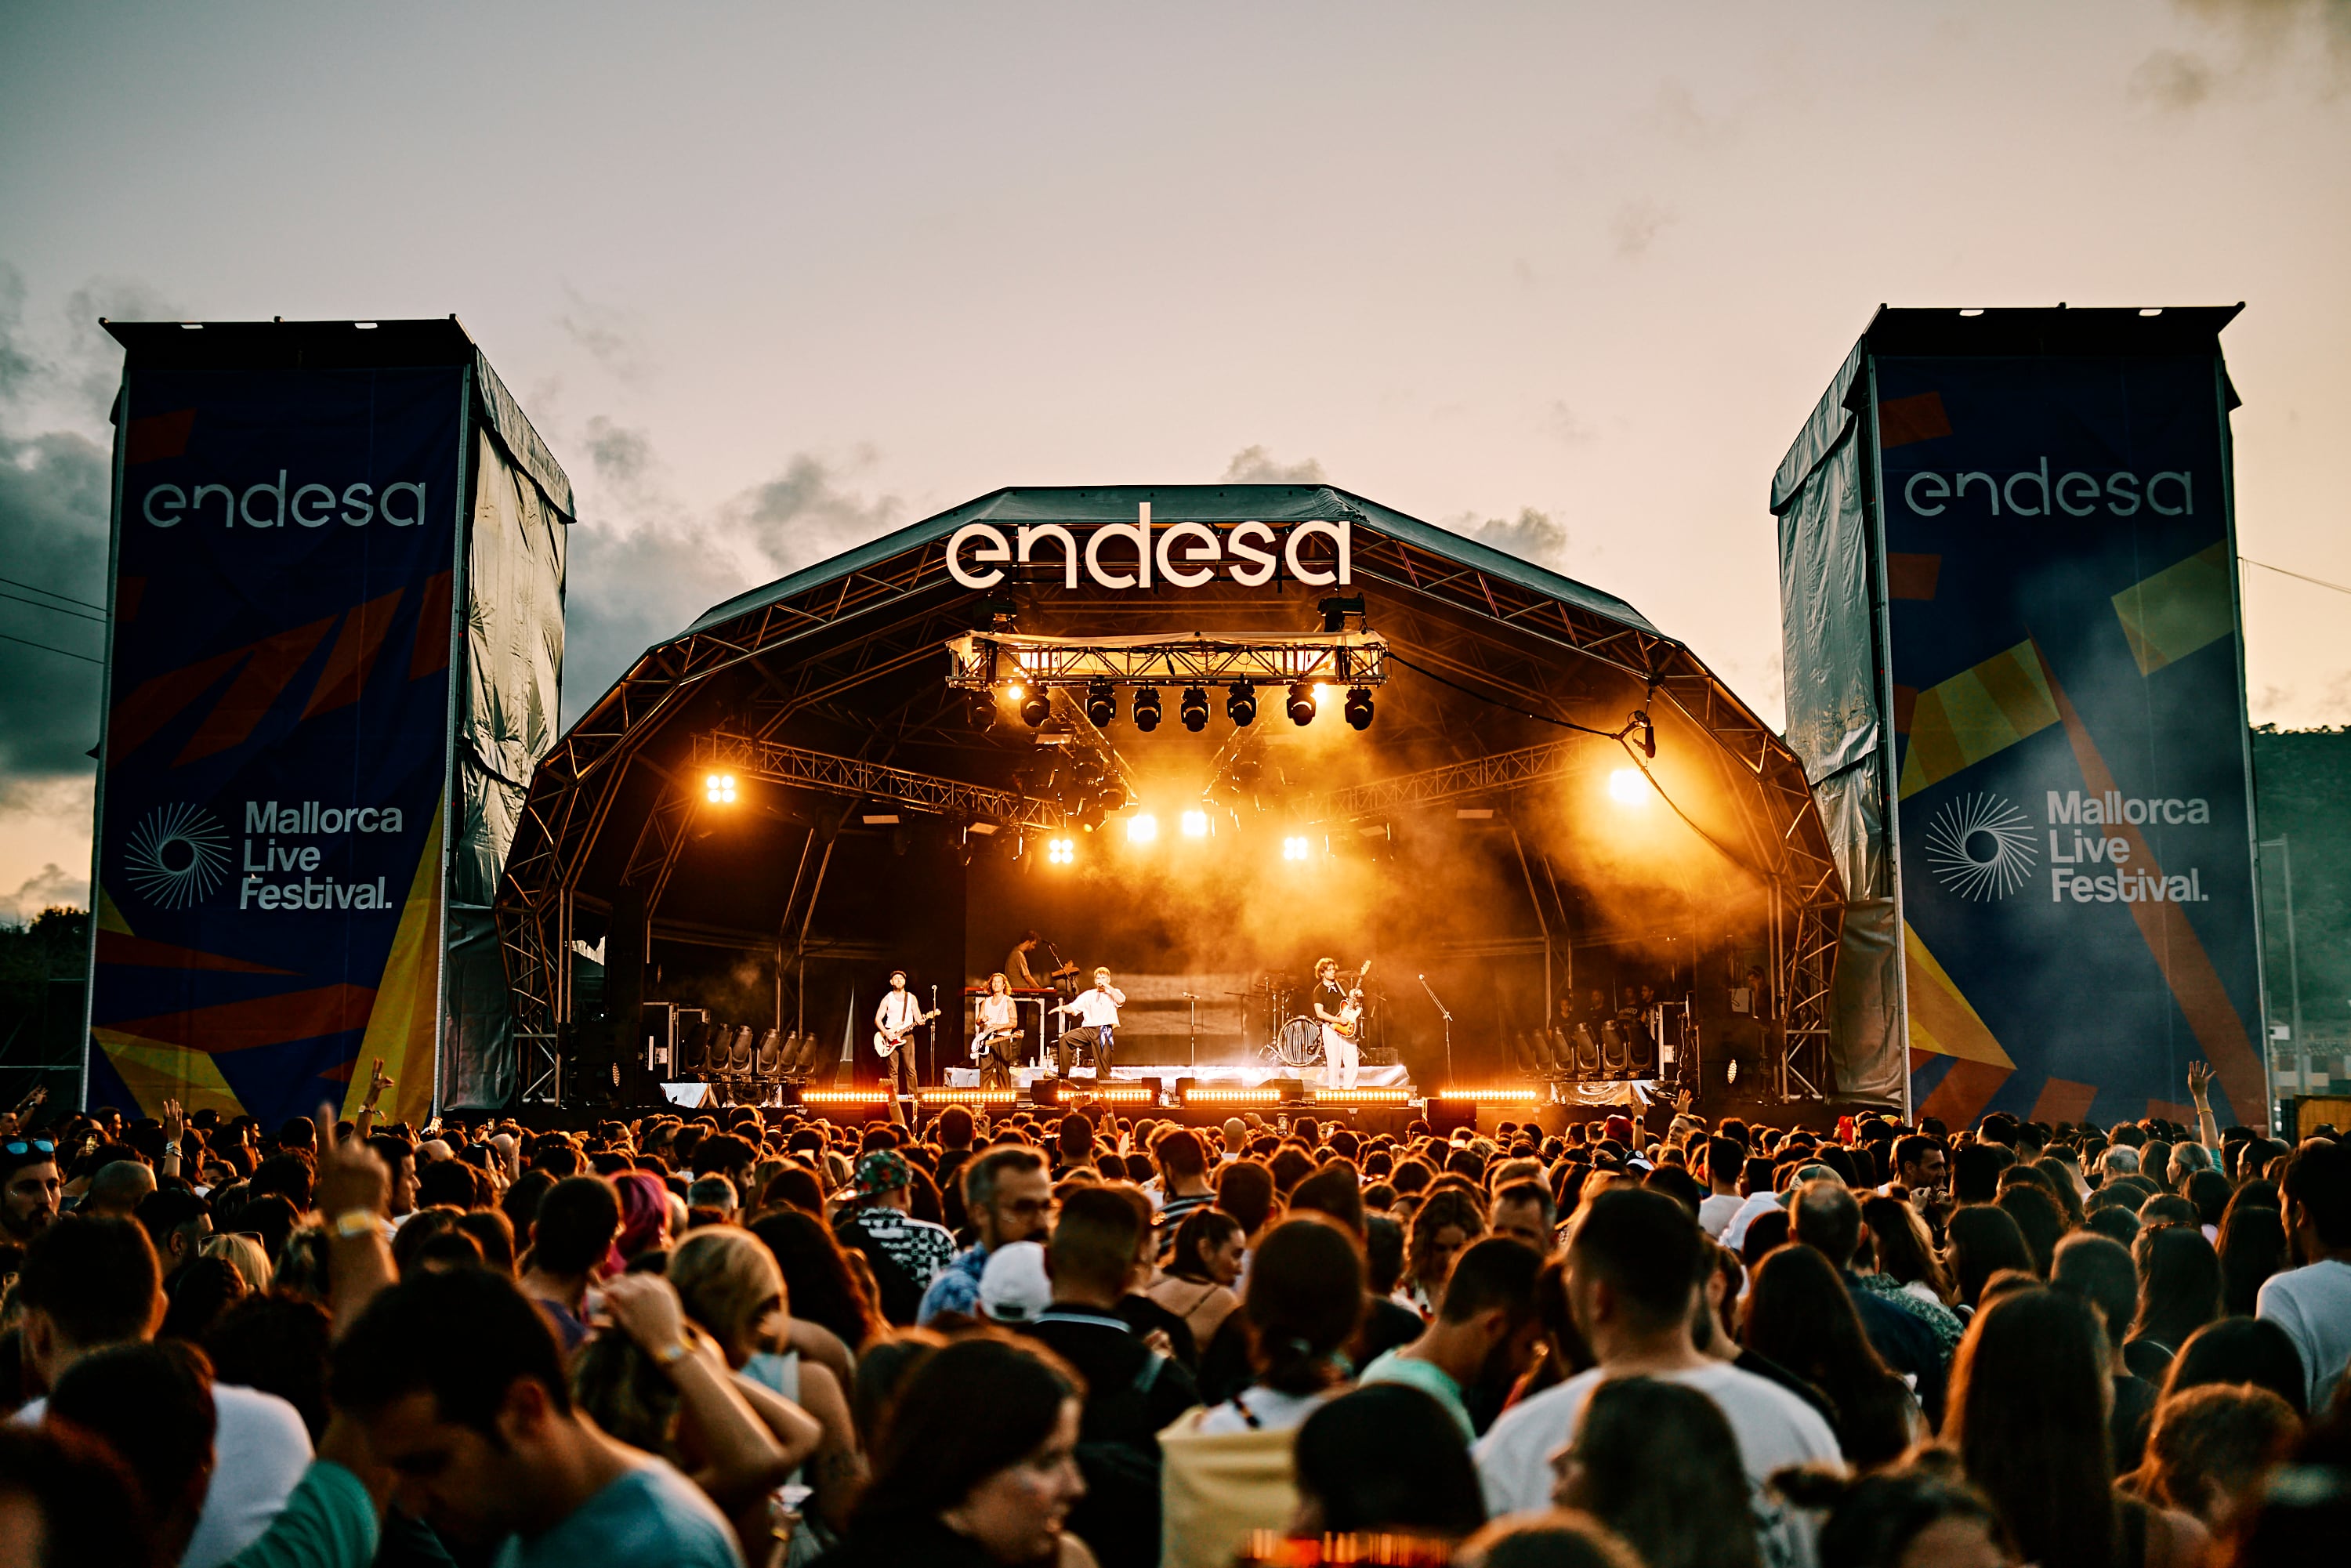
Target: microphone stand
1195, 1029
1448, 1016
931, 1042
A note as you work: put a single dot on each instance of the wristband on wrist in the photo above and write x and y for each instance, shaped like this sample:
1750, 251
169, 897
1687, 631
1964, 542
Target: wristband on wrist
671, 1355
354, 1222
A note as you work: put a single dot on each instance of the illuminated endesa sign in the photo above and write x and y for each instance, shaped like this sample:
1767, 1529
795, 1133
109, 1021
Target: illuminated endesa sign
1186, 555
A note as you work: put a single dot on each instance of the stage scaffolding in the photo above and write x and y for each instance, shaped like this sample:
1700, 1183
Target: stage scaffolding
609, 811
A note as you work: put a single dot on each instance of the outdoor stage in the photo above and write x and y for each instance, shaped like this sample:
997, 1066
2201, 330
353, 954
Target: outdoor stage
1513, 809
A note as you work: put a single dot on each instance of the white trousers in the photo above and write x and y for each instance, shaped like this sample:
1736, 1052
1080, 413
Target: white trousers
1340, 1060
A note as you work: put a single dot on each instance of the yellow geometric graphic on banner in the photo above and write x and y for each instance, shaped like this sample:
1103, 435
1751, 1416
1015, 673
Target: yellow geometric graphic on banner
1974, 714
1942, 1018
2181, 609
155, 1072
401, 1025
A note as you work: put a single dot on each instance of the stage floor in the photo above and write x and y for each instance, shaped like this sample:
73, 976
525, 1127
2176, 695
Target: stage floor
1237, 1075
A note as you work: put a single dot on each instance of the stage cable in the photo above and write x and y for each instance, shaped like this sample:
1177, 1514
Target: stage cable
1617, 735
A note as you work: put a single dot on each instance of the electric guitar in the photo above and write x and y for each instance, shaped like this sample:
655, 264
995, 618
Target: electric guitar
886, 1042
1350, 1017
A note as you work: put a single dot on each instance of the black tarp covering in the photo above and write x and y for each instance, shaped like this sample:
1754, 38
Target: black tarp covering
509, 703
1835, 722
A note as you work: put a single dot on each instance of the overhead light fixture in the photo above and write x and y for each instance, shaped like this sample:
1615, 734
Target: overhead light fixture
1016, 691
718, 788
1061, 851
880, 818
1474, 814
1195, 823
983, 708
1626, 787
1035, 709
1146, 709
1193, 710
1241, 703
986, 830
1301, 704
1295, 848
1142, 827
1359, 707
1101, 703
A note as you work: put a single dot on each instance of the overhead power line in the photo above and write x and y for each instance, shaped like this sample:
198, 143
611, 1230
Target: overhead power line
68, 652
52, 592
53, 608
2297, 576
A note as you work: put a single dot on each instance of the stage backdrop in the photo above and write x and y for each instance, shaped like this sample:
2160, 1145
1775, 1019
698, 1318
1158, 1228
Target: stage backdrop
274, 868
2055, 716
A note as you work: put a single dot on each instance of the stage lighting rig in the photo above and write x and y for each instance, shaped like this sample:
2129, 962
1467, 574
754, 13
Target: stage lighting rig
1061, 851
1241, 703
983, 708
1195, 823
1195, 710
718, 788
1101, 703
1648, 741
1359, 707
1302, 702
1035, 708
1146, 709
1142, 827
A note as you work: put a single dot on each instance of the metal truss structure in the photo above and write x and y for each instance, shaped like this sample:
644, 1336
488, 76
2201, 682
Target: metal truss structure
781, 764
1503, 770
1347, 658
810, 650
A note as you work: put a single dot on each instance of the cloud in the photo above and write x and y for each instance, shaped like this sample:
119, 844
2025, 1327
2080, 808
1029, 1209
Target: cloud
1255, 465
645, 564
614, 337
53, 526
1567, 428
2255, 40
1637, 225
48, 888
2172, 80
1532, 535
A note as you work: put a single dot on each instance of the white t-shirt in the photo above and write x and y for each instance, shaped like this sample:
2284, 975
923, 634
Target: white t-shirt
1774, 1429
2313, 1305
1715, 1212
260, 1449
1734, 1234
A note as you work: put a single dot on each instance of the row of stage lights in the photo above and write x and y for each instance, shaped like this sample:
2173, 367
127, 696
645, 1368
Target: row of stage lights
1148, 1092
1240, 705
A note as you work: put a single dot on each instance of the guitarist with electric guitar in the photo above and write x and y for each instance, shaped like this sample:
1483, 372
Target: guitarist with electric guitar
1340, 1010
895, 1023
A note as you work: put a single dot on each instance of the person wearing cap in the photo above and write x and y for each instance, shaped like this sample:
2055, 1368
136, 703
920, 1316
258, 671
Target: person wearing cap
900, 1014
906, 1253
1014, 1287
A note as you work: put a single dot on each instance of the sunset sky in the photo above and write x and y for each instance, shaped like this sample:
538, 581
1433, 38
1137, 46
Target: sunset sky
772, 280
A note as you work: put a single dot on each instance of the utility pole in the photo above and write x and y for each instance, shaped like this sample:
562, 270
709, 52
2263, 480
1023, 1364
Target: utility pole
2292, 967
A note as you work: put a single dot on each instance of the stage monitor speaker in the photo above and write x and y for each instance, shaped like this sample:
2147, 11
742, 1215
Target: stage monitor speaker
1444, 1115
1380, 1056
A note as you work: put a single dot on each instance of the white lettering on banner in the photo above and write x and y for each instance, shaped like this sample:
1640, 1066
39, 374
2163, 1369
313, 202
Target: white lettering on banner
2068, 853
272, 502
2035, 493
977, 552
266, 858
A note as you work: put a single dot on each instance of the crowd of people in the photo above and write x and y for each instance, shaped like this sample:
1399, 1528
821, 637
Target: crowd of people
1073, 1337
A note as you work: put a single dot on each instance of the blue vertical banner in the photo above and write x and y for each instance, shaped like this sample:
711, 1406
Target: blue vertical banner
2074, 810
270, 894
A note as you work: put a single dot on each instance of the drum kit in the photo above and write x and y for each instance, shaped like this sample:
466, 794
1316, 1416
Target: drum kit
1291, 1039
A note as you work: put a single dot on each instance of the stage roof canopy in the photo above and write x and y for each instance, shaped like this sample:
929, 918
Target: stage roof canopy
1500, 674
